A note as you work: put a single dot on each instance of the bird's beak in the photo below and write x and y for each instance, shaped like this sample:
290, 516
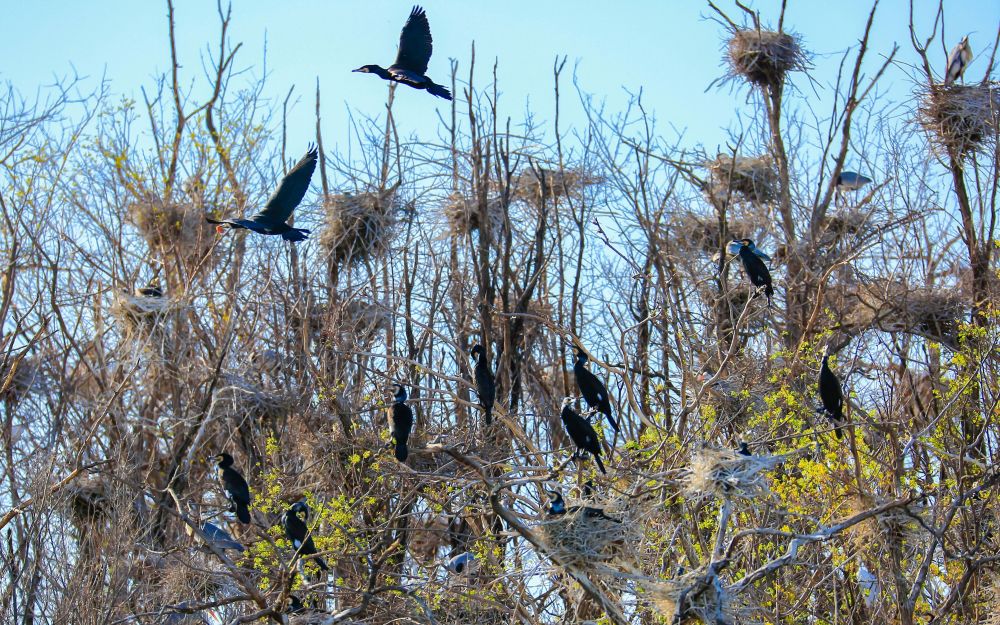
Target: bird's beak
360, 69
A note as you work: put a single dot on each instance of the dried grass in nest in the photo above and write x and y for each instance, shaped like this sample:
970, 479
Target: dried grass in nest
751, 178
531, 182
584, 540
701, 598
169, 227
729, 474
893, 306
764, 57
701, 232
463, 214
88, 499
961, 119
139, 314
847, 222
358, 226
242, 398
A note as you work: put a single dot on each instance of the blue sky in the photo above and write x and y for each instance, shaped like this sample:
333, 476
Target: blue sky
667, 48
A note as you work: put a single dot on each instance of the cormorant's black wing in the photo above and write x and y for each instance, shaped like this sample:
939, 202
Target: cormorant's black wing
290, 191
415, 43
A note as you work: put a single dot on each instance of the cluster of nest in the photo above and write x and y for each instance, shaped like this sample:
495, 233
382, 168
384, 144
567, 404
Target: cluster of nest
697, 596
894, 306
729, 474
464, 214
764, 57
961, 119
175, 229
750, 178
359, 226
533, 183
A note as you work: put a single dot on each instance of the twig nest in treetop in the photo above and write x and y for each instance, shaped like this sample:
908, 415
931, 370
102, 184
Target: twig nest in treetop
88, 500
140, 314
702, 232
697, 596
729, 474
894, 306
764, 57
464, 214
177, 229
358, 226
242, 398
750, 178
961, 119
531, 182
583, 539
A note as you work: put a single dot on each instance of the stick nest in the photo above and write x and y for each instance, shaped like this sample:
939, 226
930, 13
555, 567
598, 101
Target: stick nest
177, 229
764, 57
701, 232
358, 226
531, 183
585, 539
961, 119
465, 213
242, 398
893, 306
751, 178
697, 597
729, 474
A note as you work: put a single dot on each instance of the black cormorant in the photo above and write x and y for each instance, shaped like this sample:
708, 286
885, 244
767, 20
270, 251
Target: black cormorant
153, 290
400, 423
235, 486
297, 531
743, 450
279, 207
832, 396
557, 507
485, 384
582, 433
415, 47
593, 390
755, 268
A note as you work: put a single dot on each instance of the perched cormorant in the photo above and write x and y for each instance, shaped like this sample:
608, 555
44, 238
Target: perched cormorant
582, 433
297, 531
593, 390
220, 538
153, 290
415, 47
485, 385
958, 60
832, 396
755, 268
400, 423
743, 450
279, 207
734, 249
557, 507
235, 486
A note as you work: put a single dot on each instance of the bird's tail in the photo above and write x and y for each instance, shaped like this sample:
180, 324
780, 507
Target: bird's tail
439, 91
401, 451
295, 235
611, 420
600, 465
321, 563
489, 414
242, 512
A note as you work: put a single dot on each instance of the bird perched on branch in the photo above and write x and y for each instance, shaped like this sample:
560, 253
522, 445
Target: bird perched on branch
593, 390
557, 507
415, 47
220, 538
755, 268
848, 181
400, 423
272, 220
831, 395
734, 249
235, 487
485, 384
464, 562
958, 60
297, 531
582, 433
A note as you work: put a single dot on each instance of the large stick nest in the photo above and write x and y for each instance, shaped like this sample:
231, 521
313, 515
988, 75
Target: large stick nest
894, 306
961, 119
177, 229
751, 178
697, 597
764, 57
584, 539
702, 232
465, 213
729, 474
358, 226
532, 183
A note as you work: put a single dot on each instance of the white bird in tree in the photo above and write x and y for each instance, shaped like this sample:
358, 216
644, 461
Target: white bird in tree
958, 60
